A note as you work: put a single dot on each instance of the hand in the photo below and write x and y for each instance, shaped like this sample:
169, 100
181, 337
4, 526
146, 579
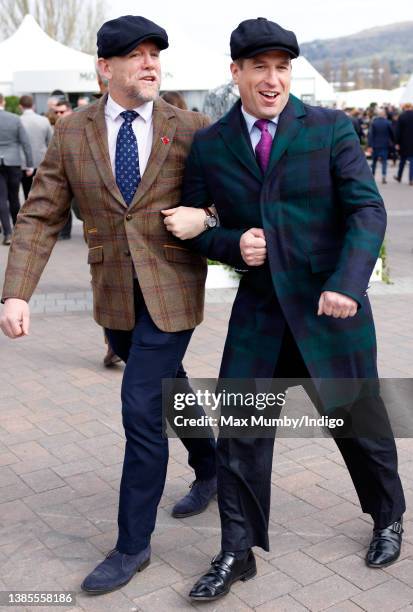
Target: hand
336, 305
253, 247
29, 171
184, 222
15, 318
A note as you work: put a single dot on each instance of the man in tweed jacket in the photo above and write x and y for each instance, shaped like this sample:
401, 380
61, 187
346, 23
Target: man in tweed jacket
298, 209
148, 289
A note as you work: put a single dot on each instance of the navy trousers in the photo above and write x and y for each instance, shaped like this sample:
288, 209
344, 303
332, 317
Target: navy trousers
150, 355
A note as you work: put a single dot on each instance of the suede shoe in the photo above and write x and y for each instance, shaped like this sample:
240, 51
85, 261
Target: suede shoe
225, 570
385, 545
115, 571
197, 500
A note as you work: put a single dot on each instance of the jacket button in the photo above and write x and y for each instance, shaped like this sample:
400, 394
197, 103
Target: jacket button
128, 217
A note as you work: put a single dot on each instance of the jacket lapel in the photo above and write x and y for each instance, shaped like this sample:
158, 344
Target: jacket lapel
164, 128
233, 132
289, 124
98, 142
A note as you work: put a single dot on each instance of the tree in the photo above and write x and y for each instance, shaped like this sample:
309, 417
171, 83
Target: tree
326, 71
344, 76
71, 22
386, 77
358, 79
375, 74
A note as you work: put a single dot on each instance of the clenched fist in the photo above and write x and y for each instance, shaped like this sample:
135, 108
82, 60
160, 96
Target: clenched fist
253, 247
15, 318
184, 222
336, 305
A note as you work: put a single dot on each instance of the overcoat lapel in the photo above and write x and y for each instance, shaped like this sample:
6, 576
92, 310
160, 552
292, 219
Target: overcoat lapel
164, 128
233, 134
289, 124
98, 142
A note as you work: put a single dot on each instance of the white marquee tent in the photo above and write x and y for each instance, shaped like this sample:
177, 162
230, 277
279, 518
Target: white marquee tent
309, 85
407, 95
362, 98
31, 61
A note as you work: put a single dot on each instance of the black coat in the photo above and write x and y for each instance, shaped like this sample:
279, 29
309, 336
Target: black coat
404, 133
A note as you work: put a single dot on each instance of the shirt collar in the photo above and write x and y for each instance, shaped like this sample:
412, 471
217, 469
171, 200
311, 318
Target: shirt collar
27, 110
113, 109
250, 120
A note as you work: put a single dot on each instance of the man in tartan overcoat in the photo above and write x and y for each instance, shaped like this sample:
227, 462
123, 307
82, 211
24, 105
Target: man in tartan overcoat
305, 216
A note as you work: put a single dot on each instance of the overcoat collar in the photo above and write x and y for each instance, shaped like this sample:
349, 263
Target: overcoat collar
235, 135
164, 127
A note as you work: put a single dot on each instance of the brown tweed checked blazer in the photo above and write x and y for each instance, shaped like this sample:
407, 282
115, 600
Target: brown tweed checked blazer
77, 164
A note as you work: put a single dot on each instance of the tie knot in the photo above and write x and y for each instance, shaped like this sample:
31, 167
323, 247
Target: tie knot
262, 124
129, 115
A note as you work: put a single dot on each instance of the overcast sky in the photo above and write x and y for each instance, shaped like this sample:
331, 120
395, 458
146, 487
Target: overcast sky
208, 23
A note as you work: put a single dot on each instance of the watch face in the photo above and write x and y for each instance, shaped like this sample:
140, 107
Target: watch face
211, 221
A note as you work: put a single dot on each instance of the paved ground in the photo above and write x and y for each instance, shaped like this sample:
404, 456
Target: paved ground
61, 446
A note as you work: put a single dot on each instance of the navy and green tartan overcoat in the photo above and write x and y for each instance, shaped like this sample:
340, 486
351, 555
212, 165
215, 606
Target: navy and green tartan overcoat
324, 223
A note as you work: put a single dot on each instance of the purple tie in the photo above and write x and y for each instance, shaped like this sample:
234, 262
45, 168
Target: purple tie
263, 148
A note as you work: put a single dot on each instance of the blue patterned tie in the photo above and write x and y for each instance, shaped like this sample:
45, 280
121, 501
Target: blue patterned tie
127, 159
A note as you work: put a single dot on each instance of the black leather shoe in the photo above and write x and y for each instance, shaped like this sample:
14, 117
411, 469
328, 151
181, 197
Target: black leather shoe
225, 570
115, 571
385, 545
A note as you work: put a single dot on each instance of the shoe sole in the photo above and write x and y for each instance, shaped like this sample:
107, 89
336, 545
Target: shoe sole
251, 573
194, 513
119, 586
183, 515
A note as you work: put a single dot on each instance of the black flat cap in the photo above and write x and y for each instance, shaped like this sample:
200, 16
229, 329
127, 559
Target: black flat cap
255, 36
120, 36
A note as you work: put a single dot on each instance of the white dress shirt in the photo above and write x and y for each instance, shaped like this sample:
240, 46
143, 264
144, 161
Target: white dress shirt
142, 127
253, 131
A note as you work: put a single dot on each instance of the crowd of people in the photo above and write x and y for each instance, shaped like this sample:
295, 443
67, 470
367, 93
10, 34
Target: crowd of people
386, 134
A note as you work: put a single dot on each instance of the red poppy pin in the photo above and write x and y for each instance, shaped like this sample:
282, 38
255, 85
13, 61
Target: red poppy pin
165, 140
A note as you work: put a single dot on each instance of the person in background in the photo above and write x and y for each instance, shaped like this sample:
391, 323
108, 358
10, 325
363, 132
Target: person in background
175, 98
82, 101
50, 114
64, 108
404, 139
356, 121
380, 140
13, 138
40, 133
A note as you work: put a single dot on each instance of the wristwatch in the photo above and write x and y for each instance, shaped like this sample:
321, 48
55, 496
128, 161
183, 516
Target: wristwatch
210, 220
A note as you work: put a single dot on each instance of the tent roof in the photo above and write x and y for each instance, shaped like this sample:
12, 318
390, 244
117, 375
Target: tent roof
30, 48
303, 71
